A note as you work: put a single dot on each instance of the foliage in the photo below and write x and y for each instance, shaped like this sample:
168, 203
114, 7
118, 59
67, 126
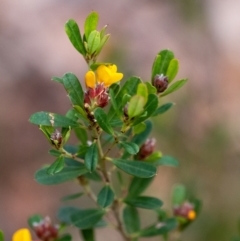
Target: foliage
113, 127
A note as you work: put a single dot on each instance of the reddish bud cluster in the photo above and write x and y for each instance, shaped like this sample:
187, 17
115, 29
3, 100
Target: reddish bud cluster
186, 210
97, 96
56, 138
147, 148
45, 230
160, 82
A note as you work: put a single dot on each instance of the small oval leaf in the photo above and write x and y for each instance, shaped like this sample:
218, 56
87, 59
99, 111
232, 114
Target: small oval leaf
163, 108
91, 157
74, 35
136, 106
73, 88
130, 147
131, 219
85, 219
102, 120
172, 70
91, 23
105, 197
138, 186
144, 202
175, 86
136, 168
72, 196
67, 174
51, 119
57, 166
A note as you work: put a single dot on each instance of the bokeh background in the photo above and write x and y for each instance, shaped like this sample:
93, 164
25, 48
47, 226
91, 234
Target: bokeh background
202, 130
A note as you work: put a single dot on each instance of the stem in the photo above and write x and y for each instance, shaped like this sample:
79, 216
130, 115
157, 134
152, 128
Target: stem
116, 211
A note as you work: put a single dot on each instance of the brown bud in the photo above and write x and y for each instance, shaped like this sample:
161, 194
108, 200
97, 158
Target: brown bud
56, 138
147, 148
160, 82
185, 210
45, 230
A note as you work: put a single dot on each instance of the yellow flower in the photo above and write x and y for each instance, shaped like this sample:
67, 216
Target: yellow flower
104, 74
22, 235
90, 79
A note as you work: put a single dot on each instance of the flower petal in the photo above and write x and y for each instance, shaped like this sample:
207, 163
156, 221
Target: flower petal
112, 68
90, 79
103, 74
22, 235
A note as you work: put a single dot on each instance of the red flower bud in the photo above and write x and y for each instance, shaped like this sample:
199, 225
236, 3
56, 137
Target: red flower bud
186, 210
45, 230
97, 96
56, 138
160, 82
147, 148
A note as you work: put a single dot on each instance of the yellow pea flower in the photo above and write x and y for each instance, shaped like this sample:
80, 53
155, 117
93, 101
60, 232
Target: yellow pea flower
104, 74
22, 235
108, 75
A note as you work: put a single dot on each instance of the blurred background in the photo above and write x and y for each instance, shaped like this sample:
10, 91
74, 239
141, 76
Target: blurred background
202, 130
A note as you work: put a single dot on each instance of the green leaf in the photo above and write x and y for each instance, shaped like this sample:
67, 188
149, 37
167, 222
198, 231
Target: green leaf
156, 66
175, 86
131, 220
72, 196
137, 129
140, 138
138, 186
1, 236
114, 102
154, 157
178, 194
67, 174
149, 108
74, 35
160, 228
51, 119
166, 57
128, 88
81, 113
64, 214
88, 234
93, 41
130, 147
136, 168
91, 157
34, 219
91, 23
73, 88
65, 237
85, 219
136, 106
144, 202
151, 88
167, 161
57, 166
104, 39
105, 197
82, 135
163, 108
55, 153
57, 79
142, 90
102, 120
172, 70
94, 176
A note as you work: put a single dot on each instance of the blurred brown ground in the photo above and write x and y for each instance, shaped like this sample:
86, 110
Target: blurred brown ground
202, 130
